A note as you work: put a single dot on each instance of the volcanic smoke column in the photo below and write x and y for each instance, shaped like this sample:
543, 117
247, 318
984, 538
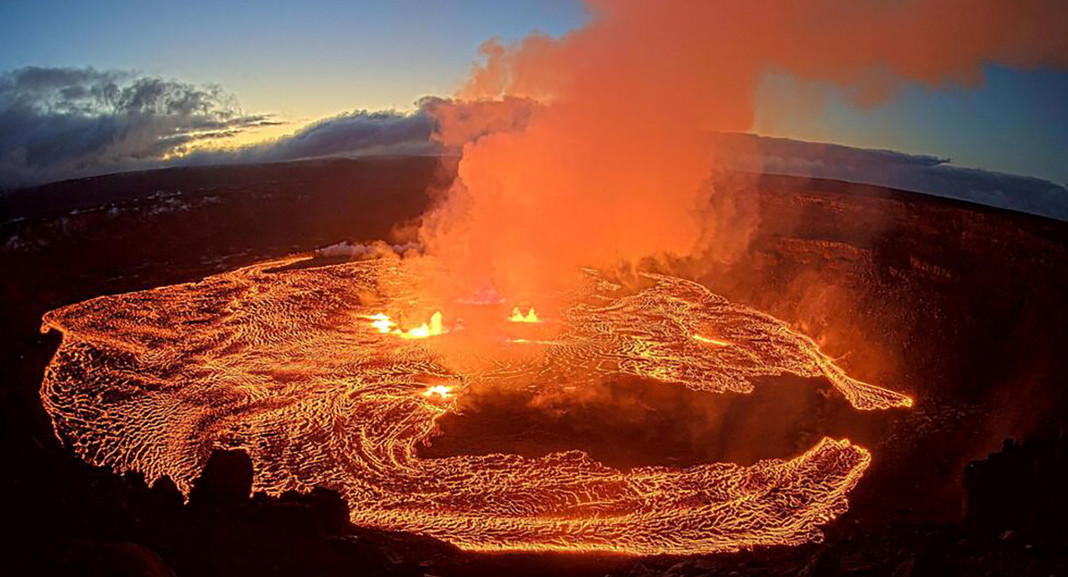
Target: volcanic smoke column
611, 162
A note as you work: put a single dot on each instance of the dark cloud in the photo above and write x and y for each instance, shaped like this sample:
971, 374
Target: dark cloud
919, 173
351, 134
60, 123
438, 125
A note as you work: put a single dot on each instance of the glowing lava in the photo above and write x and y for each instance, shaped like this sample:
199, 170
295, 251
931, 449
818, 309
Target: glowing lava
440, 390
519, 317
267, 359
385, 325
425, 330
382, 322
716, 342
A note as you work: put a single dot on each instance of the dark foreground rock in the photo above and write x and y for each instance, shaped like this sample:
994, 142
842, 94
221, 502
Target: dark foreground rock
223, 529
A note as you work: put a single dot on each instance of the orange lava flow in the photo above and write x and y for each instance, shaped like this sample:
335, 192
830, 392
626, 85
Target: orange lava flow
317, 386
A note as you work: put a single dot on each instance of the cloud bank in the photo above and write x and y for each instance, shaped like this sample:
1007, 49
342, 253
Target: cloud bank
354, 133
58, 123
63, 123
437, 126
918, 173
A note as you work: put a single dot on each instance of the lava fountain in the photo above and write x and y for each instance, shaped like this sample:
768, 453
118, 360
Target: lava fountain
306, 369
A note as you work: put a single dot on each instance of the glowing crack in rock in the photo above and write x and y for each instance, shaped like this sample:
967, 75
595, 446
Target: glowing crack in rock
284, 363
716, 342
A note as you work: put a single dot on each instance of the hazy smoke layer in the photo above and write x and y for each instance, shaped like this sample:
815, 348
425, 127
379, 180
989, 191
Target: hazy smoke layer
611, 167
65, 122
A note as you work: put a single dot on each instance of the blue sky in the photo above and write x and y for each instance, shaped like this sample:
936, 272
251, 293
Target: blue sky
1014, 121
306, 61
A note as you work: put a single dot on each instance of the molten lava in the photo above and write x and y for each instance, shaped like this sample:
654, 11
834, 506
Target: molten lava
440, 390
519, 317
384, 324
269, 360
716, 342
425, 330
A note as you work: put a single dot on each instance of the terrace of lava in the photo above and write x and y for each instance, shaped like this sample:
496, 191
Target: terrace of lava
305, 369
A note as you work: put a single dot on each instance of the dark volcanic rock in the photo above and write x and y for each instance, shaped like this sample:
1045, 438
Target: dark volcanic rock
1020, 489
109, 559
225, 483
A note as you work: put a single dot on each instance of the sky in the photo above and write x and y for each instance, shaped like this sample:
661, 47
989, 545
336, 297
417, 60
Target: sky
1013, 121
305, 61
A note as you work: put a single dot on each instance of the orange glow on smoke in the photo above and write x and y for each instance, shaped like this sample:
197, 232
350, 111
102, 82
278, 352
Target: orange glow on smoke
152, 381
613, 165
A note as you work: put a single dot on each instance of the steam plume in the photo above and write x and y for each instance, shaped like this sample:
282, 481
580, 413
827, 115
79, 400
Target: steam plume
612, 165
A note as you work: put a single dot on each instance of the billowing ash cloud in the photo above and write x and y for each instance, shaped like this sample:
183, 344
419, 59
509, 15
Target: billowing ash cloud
919, 173
613, 168
67, 122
